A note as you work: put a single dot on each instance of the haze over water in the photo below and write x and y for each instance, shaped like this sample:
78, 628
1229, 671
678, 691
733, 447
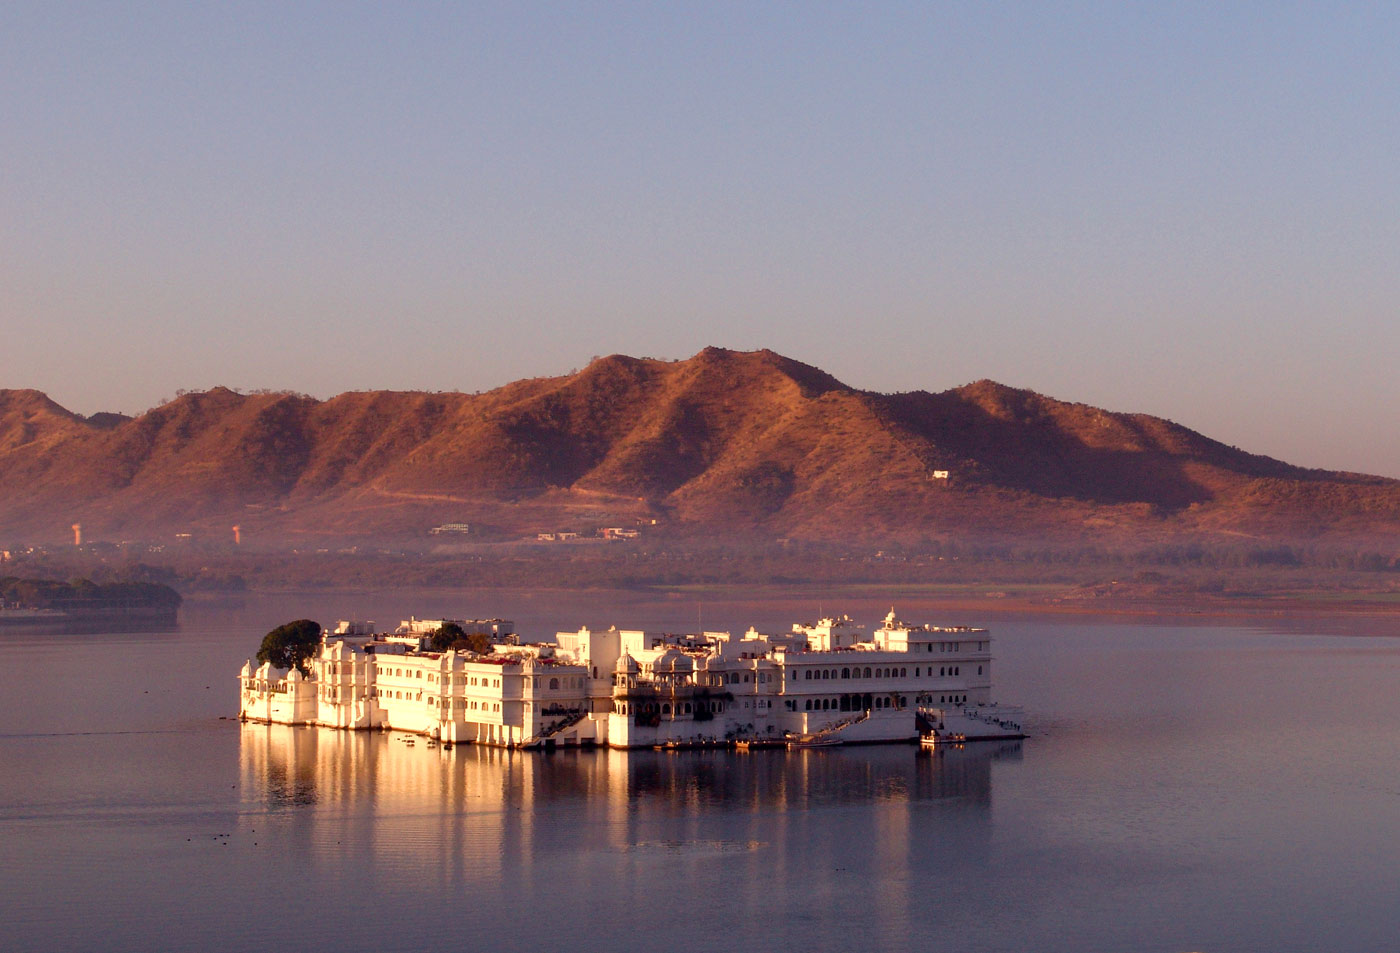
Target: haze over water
1185, 787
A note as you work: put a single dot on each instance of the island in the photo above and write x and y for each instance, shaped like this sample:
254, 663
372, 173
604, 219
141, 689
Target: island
49, 602
824, 683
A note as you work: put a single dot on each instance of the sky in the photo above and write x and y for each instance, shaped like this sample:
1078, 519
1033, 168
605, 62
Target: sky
1184, 209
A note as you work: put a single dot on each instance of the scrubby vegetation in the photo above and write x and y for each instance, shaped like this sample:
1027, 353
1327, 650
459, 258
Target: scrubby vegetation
291, 645
453, 636
85, 594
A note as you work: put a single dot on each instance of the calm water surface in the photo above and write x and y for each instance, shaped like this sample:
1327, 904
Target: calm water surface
1185, 787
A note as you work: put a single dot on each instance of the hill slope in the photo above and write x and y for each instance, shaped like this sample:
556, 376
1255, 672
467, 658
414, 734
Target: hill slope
723, 444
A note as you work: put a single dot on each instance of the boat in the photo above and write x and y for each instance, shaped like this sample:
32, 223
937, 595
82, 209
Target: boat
24, 615
816, 741
752, 744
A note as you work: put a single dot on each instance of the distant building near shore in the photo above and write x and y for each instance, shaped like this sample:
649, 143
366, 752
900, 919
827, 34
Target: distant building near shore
460, 529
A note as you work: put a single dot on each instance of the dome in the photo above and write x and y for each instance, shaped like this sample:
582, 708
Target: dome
674, 662
626, 664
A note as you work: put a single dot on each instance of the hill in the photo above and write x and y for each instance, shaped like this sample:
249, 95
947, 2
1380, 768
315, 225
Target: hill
724, 445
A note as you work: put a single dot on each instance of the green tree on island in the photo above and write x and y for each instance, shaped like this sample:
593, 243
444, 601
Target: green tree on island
291, 644
453, 636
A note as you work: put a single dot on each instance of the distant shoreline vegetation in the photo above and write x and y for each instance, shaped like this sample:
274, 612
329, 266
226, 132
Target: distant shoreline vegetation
82, 598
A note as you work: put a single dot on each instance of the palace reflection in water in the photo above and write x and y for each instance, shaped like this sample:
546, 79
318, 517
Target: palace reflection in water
524, 823
311, 766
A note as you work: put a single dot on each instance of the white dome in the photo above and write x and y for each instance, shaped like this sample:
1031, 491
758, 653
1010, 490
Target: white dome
674, 661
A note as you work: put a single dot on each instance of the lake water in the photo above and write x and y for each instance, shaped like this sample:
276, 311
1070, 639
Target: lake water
1189, 786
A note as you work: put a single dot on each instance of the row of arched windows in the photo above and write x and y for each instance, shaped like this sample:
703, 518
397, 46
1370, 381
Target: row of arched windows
651, 708
867, 702
944, 671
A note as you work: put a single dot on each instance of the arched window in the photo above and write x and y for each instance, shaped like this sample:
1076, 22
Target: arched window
825, 674
957, 669
807, 674
979, 670
554, 683
666, 708
942, 672
867, 673
845, 673
807, 705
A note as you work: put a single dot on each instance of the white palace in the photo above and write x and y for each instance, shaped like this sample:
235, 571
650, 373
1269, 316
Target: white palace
826, 683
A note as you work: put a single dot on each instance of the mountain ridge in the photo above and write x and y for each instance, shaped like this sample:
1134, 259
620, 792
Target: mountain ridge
725, 444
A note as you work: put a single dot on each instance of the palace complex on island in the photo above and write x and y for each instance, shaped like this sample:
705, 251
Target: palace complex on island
826, 683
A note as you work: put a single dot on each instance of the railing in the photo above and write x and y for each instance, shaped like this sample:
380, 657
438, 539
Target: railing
835, 728
987, 715
554, 729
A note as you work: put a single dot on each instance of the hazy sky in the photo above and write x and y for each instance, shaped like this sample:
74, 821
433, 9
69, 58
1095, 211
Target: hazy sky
1186, 209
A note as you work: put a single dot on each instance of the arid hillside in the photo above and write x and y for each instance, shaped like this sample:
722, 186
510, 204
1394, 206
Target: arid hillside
723, 445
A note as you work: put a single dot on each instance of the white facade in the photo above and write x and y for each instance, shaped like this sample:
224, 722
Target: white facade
825, 682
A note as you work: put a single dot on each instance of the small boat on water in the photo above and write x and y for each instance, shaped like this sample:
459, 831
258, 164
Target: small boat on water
22, 614
752, 744
816, 741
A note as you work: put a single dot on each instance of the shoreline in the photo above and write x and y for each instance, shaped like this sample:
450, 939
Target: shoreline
1010, 599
